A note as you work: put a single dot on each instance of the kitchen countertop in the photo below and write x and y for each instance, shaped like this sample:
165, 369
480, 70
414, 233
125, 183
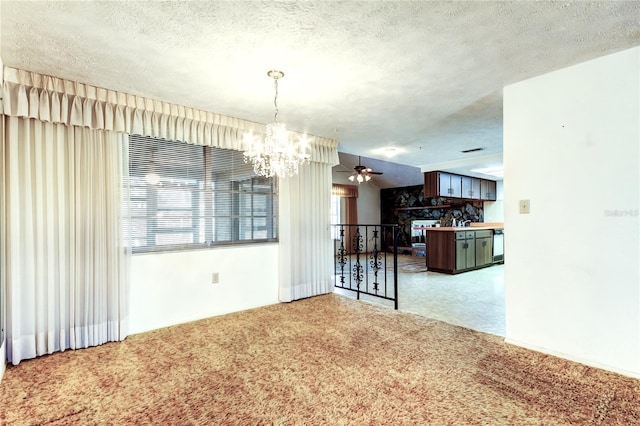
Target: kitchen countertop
460, 228
474, 227
493, 225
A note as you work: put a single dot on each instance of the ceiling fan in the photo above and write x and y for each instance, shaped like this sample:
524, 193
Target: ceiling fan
361, 173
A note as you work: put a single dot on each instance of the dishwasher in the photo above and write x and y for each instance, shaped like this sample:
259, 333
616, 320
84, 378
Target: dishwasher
498, 246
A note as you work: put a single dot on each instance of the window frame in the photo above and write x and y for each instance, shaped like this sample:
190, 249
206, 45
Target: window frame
204, 229
335, 215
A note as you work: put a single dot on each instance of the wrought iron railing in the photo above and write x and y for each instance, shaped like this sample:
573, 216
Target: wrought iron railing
366, 260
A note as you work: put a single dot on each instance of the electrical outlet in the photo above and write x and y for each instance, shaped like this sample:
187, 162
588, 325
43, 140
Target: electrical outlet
525, 207
215, 278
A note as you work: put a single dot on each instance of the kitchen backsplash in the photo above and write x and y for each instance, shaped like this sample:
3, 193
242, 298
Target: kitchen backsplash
398, 205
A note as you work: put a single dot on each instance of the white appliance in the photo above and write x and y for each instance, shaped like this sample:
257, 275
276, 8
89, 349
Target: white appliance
498, 246
418, 234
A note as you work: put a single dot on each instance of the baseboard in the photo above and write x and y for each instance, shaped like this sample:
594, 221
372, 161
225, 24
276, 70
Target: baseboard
590, 363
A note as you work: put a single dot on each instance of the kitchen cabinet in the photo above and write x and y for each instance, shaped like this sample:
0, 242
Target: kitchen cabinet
441, 251
470, 187
450, 185
455, 250
484, 248
488, 190
465, 250
441, 184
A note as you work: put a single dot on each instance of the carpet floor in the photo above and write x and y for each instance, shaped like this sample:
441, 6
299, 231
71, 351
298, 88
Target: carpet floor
327, 360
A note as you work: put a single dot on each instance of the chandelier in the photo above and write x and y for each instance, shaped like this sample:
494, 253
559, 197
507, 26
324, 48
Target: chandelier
276, 155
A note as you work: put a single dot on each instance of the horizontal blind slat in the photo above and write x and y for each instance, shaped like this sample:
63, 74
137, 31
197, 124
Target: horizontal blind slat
187, 196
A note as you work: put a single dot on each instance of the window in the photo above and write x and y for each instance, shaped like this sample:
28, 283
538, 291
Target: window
187, 196
335, 216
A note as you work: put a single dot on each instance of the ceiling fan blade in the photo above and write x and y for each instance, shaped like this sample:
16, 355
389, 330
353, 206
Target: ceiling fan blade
376, 173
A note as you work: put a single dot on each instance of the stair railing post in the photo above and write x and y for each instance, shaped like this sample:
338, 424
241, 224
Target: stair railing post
396, 232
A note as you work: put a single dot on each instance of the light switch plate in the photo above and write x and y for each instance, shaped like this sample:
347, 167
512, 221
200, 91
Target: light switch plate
525, 207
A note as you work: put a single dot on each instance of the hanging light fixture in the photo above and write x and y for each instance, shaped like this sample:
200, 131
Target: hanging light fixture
277, 154
362, 173
360, 177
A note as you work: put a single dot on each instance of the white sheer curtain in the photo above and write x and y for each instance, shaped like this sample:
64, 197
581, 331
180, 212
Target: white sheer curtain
305, 244
64, 262
306, 250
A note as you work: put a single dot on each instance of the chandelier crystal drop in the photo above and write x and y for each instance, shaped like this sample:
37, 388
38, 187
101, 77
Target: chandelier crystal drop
278, 154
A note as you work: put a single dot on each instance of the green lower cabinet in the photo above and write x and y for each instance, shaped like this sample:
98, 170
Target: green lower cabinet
465, 250
484, 248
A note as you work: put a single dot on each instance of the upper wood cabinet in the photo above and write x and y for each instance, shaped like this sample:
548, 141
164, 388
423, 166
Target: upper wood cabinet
450, 185
488, 190
441, 184
470, 187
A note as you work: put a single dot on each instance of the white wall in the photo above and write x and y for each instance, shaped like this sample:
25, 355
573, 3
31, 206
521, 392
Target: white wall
368, 204
368, 198
3, 355
173, 288
494, 210
571, 147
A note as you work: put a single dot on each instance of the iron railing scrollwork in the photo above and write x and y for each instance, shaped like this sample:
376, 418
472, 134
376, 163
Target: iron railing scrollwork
357, 266
366, 260
376, 260
341, 257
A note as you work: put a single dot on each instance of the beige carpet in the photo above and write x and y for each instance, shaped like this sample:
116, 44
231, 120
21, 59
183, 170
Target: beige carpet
327, 360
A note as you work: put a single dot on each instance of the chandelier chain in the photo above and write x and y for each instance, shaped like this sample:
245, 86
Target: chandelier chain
275, 101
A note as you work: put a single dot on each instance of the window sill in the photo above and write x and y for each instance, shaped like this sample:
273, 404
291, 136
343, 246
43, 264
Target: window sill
230, 245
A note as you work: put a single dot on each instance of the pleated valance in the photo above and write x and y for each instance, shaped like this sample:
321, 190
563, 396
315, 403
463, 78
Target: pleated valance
55, 100
348, 191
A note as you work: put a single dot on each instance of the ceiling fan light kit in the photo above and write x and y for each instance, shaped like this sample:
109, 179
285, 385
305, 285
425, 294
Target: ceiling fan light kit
362, 173
276, 155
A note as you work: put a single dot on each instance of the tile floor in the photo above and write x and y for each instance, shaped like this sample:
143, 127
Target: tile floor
473, 299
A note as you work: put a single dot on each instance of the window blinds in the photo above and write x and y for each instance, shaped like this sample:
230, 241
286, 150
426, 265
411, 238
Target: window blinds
185, 196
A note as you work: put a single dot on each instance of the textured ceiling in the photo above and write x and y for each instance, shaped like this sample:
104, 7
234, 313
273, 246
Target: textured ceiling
426, 77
